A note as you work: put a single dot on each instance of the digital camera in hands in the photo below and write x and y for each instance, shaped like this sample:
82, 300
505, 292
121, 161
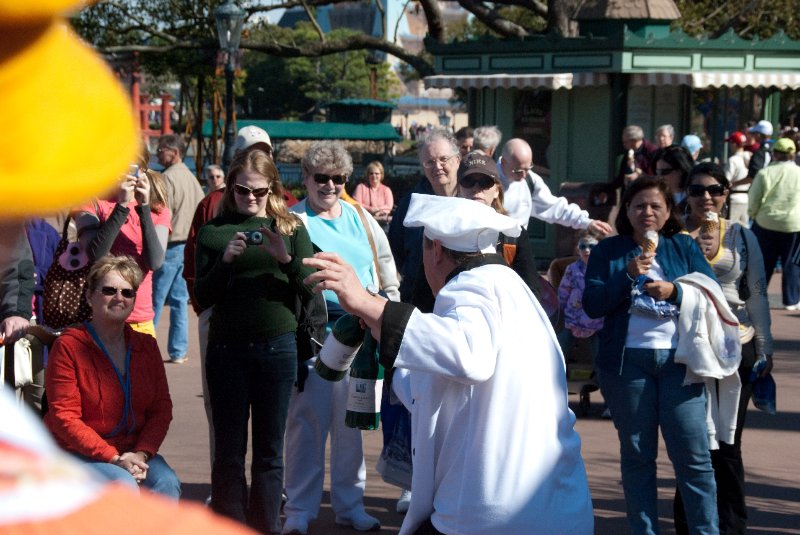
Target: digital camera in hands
253, 237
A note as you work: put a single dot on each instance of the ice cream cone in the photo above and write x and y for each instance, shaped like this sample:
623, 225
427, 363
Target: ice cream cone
651, 242
710, 223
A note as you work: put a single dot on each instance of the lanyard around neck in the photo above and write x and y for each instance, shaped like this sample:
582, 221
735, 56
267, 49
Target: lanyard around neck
128, 419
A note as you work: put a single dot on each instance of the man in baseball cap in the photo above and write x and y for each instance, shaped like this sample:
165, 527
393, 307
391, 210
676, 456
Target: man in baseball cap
775, 210
762, 133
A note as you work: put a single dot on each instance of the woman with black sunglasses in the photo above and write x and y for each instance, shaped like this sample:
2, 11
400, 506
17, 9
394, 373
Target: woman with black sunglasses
478, 180
334, 225
735, 257
249, 268
108, 397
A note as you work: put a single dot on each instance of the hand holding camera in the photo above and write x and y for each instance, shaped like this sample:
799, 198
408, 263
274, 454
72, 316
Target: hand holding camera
127, 185
142, 189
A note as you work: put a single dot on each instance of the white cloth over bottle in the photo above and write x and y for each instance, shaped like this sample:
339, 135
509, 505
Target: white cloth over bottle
493, 443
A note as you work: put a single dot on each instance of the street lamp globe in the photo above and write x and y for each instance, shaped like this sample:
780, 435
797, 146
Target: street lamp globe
230, 19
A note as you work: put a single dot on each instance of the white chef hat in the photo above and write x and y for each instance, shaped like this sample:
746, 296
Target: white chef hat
461, 225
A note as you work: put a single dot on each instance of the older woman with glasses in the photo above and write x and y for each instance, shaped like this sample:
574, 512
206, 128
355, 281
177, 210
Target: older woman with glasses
319, 410
108, 396
249, 268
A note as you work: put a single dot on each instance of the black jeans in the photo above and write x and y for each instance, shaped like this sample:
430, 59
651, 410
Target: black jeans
728, 465
250, 378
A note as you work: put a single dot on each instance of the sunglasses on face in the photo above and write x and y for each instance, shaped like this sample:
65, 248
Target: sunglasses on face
664, 171
110, 291
482, 181
698, 190
583, 246
245, 191
322, 178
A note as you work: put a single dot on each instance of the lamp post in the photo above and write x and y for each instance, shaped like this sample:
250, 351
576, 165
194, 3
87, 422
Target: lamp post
230, 18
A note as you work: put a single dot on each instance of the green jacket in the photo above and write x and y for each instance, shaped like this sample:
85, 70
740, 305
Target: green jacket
775, 197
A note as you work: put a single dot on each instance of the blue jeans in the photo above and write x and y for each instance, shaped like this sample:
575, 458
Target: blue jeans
169, 286
645, 394
775, 245
247, 378
160, 479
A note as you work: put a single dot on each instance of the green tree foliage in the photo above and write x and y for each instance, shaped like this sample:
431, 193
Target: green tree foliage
293, 88
747, 18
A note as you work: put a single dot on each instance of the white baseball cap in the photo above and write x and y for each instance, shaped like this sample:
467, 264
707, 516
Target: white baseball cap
249, 136
461, 225
763, 127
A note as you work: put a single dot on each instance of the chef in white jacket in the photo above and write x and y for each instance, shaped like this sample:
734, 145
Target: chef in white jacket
493, 443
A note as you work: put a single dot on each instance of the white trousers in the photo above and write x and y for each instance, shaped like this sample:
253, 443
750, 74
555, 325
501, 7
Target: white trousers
202, 334
313, 413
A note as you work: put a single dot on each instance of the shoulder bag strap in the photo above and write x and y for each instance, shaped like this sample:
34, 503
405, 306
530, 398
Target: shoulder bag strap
364, 222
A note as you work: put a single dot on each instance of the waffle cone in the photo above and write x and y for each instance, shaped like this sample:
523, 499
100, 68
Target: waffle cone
710, 227
649, 247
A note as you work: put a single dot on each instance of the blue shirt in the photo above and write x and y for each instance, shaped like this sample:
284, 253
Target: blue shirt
345, 236
608, 287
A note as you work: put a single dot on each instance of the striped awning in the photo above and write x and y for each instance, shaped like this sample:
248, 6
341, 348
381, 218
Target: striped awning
565, 80
702, 80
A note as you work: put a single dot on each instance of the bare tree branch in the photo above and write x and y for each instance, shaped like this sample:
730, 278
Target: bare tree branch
314, 22
433, 14
397, 24
492, 19
315, 49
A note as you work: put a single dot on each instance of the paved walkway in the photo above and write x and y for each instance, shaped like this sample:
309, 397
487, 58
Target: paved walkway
771, 445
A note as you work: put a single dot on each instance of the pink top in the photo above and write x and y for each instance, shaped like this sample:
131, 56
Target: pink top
130, 242
374, 199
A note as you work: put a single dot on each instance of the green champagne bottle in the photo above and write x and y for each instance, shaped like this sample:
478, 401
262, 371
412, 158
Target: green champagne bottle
366, 387
340, 348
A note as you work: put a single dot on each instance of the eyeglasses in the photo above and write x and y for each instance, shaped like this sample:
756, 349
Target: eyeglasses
162, 149
664, 171
110, 291
442, 160
698, 190
583, 246
322, 178
244, 191
216, 176
482, 181
522, 170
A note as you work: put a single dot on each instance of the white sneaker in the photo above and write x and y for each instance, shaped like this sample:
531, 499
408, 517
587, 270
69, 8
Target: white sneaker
795, 306
295, 525
404, 501
360, 521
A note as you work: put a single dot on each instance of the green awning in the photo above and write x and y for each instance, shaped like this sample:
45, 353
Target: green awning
280, 130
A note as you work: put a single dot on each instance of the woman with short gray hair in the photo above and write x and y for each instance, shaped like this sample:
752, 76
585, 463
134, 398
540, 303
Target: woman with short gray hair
327, 156
317, 408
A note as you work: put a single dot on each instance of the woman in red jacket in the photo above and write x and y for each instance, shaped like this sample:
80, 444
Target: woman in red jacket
108, 396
